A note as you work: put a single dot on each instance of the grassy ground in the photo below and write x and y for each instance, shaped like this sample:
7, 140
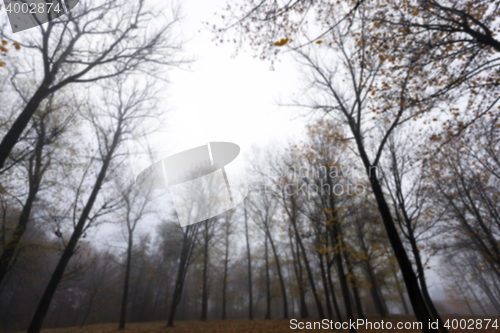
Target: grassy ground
249, 326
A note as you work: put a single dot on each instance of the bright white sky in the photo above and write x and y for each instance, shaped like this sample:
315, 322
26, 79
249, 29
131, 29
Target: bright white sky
225, 98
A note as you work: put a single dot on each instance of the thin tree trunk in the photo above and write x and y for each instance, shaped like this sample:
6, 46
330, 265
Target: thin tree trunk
334, 238
204, 293
179, 284
308, 268
325, 285
268, 283
332, 290
475, 297
333, 228
142, 314
249, 265
488, 292
43, 306
354, 287
123, 308
304, 313
155, 303
401, 293
89, 308
133, 314
224, 281
421, 276
190, 234
280, 276
374, 289
35, 178
463, 295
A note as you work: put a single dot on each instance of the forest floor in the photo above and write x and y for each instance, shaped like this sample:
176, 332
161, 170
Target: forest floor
260, 325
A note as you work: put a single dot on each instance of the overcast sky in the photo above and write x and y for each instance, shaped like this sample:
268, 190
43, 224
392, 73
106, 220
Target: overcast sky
225, 98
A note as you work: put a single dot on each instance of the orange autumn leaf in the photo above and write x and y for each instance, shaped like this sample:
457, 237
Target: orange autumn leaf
281, 42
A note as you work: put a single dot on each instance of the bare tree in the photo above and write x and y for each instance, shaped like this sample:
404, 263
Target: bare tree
46, 129
135, 209
228, 231
352, 110
100, 276
264, 207
189, 236
94, 41
208, 237
249, 263
124, 107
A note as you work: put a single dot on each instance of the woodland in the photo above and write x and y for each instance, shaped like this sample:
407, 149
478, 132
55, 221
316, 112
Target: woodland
391, 193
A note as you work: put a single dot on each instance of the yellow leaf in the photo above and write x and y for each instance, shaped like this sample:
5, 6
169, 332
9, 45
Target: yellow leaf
319, 41
281, 42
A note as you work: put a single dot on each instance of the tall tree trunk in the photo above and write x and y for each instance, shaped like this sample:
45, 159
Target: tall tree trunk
155, 303
12, 137
268, 283
489, 292
466, 301
417, 300
89, 308
334, 233
179, 284
325, 285
342, 277
306, 263
401, 293
189, 237
354, 287
332, 290
374, 289
297, 266
412, 286
204, 293
144, 307
475, 297
249, 265
224, 280
43, 306
123, 308
36, 171
421, 275
135, 304
15, 239
280, 276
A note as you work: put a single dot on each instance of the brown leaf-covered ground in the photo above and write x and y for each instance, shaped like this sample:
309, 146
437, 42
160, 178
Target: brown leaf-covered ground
249, 326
